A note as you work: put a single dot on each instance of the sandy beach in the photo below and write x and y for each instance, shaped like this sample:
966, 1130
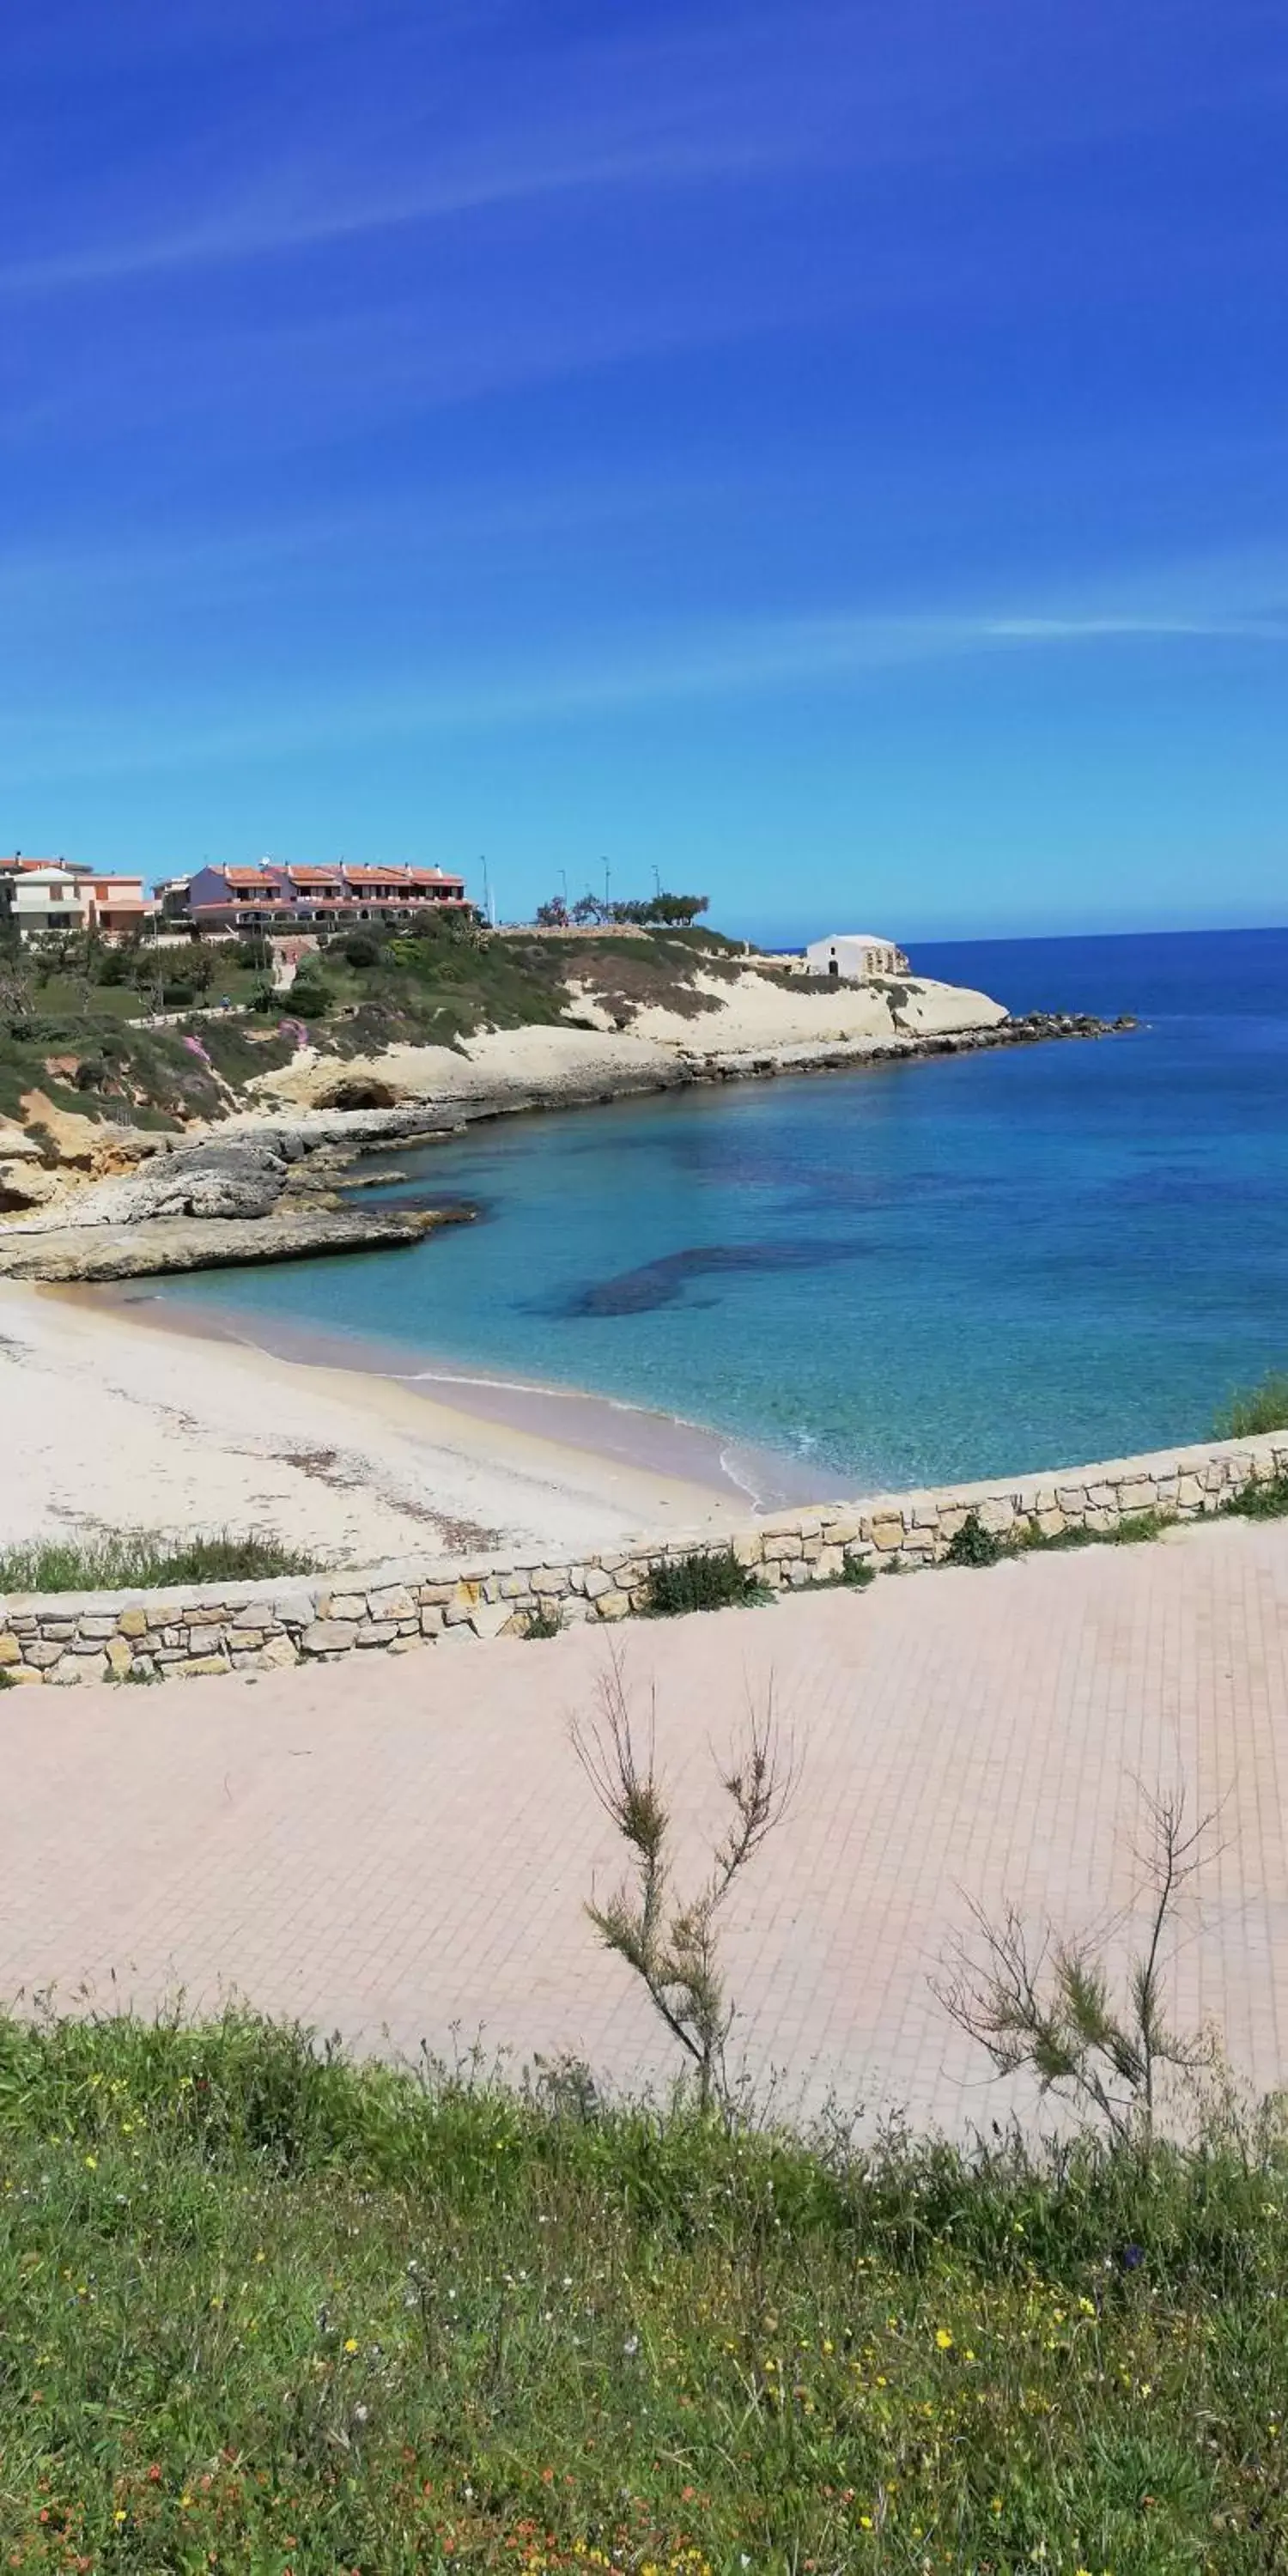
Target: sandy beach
113, 1419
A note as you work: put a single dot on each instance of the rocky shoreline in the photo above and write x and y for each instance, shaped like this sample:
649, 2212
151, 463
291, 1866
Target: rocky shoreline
267, 1185
203, 1204
81, 1256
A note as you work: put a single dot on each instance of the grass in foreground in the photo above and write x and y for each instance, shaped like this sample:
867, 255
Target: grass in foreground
267, 2311
125, 1560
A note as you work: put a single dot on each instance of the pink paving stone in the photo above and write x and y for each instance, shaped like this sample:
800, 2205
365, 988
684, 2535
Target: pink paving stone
399, 1848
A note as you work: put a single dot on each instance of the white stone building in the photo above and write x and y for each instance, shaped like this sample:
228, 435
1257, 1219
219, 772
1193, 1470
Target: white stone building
854, 957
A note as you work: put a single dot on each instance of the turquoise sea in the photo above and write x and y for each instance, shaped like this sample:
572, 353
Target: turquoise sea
926, 1271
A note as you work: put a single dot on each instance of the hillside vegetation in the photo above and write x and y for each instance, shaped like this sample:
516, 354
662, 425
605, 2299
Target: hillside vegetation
268, 2311
72, 1025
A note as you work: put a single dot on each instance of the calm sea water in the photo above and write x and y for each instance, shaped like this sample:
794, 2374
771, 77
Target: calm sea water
926, 1271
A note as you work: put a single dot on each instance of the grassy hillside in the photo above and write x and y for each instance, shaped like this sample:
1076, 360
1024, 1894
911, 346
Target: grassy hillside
102, 1066
82, 1044
442, 987
266, 2311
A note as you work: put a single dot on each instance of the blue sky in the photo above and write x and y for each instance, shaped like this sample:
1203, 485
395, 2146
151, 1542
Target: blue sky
835, 451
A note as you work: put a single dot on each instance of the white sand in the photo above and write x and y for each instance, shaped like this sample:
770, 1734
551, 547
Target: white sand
112, 1422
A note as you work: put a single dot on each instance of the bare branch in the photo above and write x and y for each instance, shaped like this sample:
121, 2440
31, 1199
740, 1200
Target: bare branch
1054, 2012
671, 1944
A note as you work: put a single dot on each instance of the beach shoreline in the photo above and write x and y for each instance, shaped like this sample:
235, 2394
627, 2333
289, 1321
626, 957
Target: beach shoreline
349, 1450
111, 1423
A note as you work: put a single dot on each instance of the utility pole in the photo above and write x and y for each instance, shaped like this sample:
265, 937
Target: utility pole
487, 900
606, 885
657, 882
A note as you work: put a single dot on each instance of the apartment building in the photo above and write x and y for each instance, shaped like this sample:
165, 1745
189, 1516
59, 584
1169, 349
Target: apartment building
269, 897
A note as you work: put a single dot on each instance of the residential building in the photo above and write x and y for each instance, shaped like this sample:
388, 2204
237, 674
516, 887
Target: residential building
854, 957
118, 906
270, 897
43, 897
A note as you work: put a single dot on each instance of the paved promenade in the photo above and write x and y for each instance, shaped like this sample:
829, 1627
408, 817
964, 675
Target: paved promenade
400, 1848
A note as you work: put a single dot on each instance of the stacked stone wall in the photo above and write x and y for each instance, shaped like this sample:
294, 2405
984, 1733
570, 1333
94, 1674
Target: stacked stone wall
187, 1633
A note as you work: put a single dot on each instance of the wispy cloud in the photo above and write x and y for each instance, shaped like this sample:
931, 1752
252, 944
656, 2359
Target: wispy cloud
427, 135
739, 661
376, 129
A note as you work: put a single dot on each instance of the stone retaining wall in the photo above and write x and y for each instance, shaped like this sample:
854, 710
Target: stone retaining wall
187, 1632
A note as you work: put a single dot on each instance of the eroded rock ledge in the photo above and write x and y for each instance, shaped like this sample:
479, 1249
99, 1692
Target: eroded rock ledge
72, 1254
203, 1204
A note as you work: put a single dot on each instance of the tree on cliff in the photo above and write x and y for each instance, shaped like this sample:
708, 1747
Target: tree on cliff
677, 911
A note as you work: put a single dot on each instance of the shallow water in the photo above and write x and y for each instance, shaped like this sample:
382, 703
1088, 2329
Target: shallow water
925, 1271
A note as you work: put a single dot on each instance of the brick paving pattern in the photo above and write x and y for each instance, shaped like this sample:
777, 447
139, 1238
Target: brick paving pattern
399, 1848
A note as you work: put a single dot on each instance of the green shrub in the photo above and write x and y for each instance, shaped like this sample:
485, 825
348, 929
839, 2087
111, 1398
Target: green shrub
306, 1000
856, 1574
545, 1621
1135, 1528
1038, 1542
1253, 1409
359, 948
708, 1579
1265, 1500
972, 1544
130, 1560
